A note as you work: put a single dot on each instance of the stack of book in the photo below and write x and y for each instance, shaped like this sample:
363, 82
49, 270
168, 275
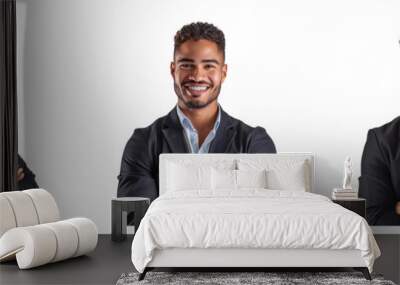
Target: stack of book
344, 194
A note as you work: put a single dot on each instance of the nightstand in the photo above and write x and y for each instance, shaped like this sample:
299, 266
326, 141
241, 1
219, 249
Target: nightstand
120, 209
357, 205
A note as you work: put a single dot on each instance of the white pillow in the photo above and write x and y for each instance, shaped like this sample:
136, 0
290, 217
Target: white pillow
181, 177
251, 178
289, 179
227, 179
223, 179
282, 174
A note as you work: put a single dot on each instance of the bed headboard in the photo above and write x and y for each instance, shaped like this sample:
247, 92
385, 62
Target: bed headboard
308, 158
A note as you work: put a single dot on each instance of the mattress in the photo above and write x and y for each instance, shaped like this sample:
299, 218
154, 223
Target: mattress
251, 219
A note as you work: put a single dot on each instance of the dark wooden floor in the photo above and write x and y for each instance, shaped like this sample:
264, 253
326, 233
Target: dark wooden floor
103, 266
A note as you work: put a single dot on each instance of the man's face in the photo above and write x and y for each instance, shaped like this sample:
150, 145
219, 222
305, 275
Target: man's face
198, 71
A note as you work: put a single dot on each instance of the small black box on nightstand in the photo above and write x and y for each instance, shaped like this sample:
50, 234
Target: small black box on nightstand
357, 205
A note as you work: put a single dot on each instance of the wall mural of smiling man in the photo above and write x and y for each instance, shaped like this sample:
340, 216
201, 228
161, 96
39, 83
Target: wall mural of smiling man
197, 124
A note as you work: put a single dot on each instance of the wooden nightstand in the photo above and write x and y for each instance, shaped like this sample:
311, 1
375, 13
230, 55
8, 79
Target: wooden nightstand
357, 205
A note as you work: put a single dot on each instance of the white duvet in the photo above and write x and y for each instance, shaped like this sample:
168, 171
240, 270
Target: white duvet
251, 218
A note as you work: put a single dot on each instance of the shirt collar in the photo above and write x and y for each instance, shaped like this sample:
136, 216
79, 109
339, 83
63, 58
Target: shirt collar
186, 123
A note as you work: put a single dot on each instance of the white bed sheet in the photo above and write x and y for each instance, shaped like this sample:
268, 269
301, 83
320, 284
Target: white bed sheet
250, 218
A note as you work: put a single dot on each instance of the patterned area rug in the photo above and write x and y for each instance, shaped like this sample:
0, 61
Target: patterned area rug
270, 278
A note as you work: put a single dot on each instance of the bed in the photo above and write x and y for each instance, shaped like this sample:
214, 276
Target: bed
247, 210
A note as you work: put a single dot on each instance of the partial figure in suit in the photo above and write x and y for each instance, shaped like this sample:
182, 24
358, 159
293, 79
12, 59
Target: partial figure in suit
25, 176
380, 174
197, 124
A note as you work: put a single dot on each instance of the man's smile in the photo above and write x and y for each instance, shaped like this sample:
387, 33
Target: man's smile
196, 89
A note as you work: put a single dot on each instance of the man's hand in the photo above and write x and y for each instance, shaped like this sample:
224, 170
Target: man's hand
398, 208
20, 174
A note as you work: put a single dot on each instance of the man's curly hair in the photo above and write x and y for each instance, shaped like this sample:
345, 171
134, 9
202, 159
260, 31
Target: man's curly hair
200, 31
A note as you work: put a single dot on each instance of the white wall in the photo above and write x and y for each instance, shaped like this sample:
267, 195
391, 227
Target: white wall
316, 74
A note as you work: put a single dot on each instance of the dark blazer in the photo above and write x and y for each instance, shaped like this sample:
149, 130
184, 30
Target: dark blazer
139, 167
380, 174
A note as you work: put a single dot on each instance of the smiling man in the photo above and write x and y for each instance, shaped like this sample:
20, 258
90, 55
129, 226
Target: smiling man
197, 124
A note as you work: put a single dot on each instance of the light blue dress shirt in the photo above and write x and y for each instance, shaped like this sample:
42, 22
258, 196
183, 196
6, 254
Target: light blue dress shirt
191, 135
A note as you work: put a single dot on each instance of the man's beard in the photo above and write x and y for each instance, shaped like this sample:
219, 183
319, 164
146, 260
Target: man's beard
194, 104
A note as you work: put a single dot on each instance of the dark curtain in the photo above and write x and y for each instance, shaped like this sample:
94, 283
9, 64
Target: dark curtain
8, 96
